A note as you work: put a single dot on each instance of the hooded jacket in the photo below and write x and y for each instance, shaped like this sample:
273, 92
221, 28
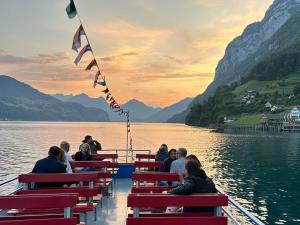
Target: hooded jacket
198, 183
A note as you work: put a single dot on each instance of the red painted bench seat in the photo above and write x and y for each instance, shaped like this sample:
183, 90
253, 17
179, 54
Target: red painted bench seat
34, 217
152, 201
141, 157
56, 221
103, 156
154, 176
177, 221
148, 165
93, 164
155, 189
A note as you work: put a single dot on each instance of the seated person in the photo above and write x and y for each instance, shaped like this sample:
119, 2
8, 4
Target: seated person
168, 161
196, 182
162, 153
84, 154
66, 147
94, 145
49, 164
178, 166
63, 159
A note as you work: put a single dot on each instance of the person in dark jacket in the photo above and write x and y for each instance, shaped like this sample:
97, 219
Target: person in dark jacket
94, 145
168, 161
84, 153
196, 182
162, 153
49, 164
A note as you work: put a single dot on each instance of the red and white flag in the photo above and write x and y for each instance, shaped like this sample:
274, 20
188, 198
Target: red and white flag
81, 53
77, 38
92, 63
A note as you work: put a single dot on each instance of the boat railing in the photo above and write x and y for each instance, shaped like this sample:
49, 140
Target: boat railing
126, 155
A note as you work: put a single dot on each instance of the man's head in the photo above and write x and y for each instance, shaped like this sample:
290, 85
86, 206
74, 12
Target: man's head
54, 151
88, 139
65, 146
192, 167
164, 146
181, 153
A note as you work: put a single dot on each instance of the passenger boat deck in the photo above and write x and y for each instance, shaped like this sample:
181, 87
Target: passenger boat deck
116, 194
114, 207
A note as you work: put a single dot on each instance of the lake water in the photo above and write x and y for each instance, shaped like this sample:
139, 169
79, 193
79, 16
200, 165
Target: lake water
261, 170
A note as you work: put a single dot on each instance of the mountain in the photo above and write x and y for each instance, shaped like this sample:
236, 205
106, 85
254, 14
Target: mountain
278, 29
19, 101
141, 111
166, 113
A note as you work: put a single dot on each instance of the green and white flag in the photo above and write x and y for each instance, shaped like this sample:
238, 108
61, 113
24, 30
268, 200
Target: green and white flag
71, 10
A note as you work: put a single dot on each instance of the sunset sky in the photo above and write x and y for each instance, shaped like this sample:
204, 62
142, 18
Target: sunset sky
156, 51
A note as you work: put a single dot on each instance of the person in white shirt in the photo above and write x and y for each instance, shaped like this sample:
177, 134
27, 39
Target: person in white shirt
178, 166
65, 146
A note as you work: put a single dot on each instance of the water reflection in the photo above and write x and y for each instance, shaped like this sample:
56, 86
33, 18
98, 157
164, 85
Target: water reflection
259, 170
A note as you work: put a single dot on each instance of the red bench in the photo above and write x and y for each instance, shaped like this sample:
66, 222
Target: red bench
92, 164
91, 178
63, 202
56, 221
141, 157
154, 177
141, 201
148, 165
38, 217
113, 157
89, 194
149, 190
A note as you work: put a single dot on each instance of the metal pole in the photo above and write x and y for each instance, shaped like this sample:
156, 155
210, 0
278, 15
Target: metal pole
127, 136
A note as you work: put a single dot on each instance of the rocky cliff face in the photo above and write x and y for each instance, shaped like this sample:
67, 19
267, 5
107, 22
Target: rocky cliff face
279, 26
253, 37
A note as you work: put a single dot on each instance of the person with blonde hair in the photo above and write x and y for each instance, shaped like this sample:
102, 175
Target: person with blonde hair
63, 159
84, 153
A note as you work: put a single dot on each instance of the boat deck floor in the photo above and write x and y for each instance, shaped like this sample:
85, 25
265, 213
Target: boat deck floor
114, 208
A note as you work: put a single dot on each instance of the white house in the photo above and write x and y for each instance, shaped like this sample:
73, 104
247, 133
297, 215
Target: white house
268, 105
295, 113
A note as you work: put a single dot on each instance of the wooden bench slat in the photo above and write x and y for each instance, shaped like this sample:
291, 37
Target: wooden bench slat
92, 164
82, 192
145, 156
177, 221
58, 177
150, 165
145, 190
164, 200
38, 201
56, 221
155, 176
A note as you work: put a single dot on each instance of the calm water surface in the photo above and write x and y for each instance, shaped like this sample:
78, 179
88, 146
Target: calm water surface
261, 171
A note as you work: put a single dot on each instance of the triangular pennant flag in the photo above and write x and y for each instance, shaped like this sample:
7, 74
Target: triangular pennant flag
81, 53
92, 63
108, 96
111, 99
77, 38
96, 78
71, 10
102, 83
112, 104
106, 91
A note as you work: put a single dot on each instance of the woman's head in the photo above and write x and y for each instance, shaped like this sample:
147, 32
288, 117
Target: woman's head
85, 148
172, 153
193, 157
192, 167
162, 149
61, 156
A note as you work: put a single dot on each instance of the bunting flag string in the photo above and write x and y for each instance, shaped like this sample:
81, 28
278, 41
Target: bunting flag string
82, 52
76, 45
77, 38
